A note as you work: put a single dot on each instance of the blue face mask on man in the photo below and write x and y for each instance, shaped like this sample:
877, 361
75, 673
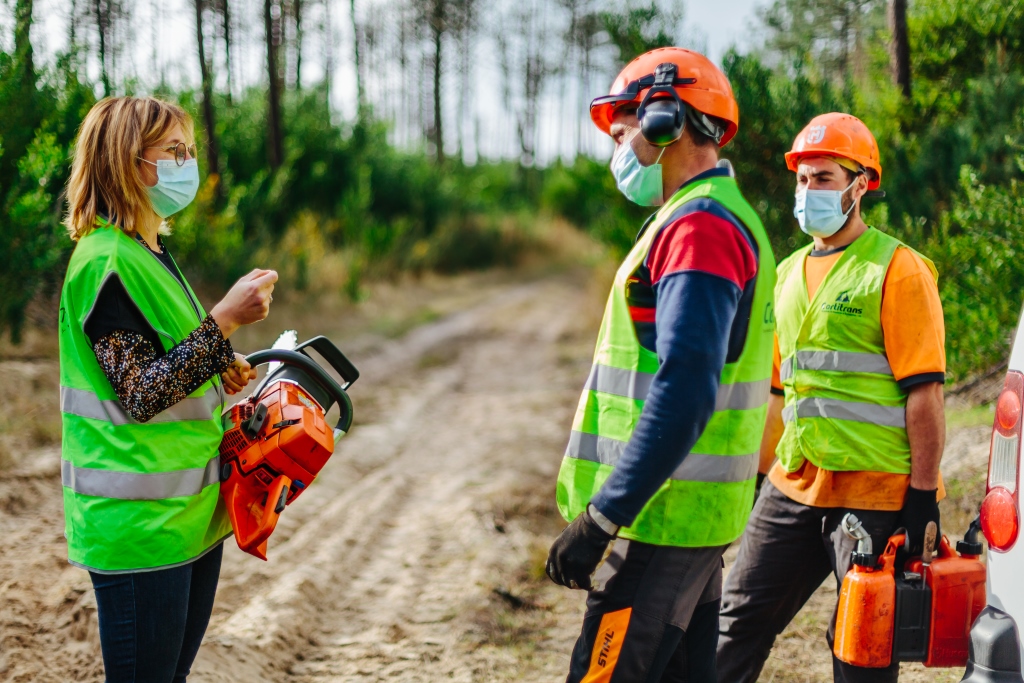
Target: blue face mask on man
640, 184
176, 186
820, 212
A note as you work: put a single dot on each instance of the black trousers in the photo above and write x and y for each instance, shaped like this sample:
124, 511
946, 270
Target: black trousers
787, 550
653, 617
152, 623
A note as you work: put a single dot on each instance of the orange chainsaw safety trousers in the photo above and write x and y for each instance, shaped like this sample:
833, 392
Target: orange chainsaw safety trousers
653, 617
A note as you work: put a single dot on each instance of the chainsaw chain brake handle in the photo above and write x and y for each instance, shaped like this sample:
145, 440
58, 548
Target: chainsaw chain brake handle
254, 540
316, 373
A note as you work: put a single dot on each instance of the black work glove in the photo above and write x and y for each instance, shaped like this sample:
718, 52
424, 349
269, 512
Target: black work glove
577, 552
757, 486
919, 508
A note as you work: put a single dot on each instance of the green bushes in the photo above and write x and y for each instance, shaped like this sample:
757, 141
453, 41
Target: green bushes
585, 195
345, 205
39, 114
393, 210
979, 252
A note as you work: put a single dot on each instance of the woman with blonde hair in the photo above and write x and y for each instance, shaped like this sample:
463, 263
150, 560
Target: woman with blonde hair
143, 376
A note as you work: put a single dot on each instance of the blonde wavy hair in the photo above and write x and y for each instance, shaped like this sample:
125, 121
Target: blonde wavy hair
105, 174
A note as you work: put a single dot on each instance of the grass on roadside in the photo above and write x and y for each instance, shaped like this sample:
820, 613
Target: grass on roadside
971, 416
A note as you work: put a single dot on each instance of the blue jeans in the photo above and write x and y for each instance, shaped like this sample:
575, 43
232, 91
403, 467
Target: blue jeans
152, 623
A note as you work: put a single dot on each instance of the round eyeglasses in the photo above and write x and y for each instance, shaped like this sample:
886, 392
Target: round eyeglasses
181, 152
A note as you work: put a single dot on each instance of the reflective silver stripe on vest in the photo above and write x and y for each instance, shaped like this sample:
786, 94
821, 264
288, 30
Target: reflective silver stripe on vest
85, 403
135, 486
836, 361
786, 369
885, 416
619, 382
743, 395
636, 385
695, 466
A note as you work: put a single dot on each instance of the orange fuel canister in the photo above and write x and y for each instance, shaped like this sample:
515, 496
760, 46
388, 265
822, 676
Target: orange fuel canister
867, 604
957, 583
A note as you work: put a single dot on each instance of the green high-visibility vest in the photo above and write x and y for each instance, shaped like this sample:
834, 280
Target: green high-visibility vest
136, 496
708, 498
844, 410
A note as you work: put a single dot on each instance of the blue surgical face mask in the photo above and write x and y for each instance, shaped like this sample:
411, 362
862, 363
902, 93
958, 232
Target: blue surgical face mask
820, 212
641, 184
176, 186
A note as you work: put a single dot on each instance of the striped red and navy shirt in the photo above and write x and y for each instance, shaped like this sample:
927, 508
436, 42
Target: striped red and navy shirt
690, 301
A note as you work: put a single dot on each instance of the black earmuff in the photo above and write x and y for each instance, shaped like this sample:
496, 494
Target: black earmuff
662, 120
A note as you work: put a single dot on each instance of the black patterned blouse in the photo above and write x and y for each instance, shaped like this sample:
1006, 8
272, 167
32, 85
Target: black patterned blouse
147, 379
147, 384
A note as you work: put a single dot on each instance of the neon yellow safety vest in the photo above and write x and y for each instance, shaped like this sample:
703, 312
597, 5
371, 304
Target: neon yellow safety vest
708, 498
844, 410
136, 496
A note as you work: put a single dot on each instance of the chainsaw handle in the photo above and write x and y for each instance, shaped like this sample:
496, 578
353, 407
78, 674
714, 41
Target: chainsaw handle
277, 494
316, 373
333, 355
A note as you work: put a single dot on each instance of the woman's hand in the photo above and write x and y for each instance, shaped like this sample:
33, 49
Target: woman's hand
248, 301
238, 375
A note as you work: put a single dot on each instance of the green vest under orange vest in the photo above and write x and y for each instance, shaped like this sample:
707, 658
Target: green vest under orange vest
708, 498
136, 496
844, 410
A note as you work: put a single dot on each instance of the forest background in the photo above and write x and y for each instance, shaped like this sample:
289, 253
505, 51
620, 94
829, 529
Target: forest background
401, 186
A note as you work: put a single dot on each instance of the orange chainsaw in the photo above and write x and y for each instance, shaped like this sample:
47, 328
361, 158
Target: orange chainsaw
277, 440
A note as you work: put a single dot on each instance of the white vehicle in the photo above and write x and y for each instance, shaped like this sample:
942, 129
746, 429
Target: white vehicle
996, 650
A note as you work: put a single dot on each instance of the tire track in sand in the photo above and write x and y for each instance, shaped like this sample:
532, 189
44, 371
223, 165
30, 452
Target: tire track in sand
383, 569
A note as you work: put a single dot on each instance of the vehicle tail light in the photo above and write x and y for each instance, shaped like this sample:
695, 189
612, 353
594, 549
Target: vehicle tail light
1000, 519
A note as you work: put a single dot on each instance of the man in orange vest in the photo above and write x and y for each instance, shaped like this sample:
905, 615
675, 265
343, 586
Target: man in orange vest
856, 416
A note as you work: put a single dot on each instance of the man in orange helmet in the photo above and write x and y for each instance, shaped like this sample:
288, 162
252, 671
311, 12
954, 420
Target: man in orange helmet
660, 469
856, 417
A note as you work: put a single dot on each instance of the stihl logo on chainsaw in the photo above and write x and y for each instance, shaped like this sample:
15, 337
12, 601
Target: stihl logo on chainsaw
277, 440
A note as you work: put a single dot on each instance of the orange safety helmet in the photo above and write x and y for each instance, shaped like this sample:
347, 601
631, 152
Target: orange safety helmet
838, 135
699, 83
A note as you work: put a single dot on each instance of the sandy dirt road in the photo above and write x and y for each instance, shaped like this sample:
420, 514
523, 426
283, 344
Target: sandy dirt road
415, 555
418, 554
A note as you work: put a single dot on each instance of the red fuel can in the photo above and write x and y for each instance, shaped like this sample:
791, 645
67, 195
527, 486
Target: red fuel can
887, 613
957, 583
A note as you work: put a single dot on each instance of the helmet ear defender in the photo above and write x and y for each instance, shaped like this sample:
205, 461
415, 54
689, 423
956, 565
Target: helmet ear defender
662, 120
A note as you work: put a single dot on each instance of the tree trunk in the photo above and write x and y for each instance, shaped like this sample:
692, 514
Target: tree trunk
360, 92
226, 17
275, 143
212, 156
328, 38
297, 9
72, 37
102, 9
437, 28
23, 44
899, 48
